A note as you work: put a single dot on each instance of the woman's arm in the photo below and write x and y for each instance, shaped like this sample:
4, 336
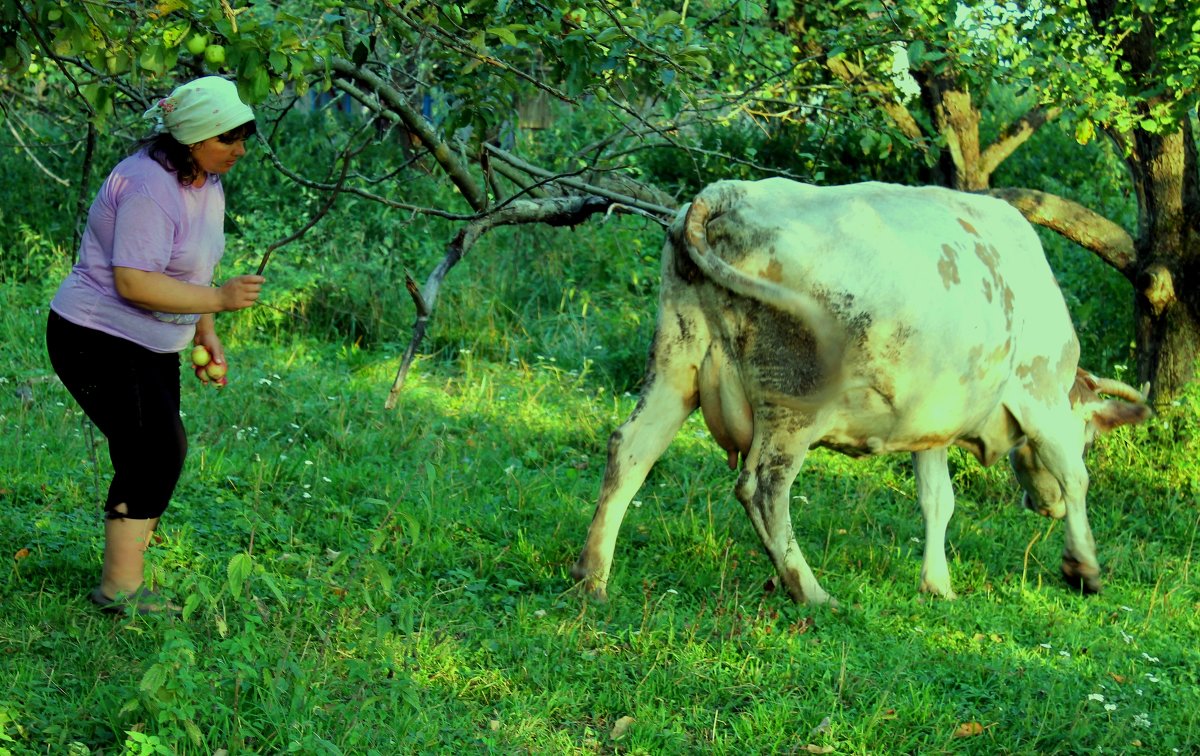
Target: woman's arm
158, 291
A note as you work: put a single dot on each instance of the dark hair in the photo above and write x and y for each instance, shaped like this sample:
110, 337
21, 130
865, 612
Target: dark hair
176, 157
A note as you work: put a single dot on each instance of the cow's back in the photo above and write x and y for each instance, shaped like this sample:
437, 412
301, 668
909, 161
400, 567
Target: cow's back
941, 298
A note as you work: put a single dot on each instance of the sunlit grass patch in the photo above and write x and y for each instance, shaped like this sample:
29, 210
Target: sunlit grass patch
360, 579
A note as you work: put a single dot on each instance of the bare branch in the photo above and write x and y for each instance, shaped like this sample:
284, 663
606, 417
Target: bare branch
416, 123
347, 154
21, 143
582, 186
326, 187
48, 51
555, 211
1014, 136
447, 41
1085, 227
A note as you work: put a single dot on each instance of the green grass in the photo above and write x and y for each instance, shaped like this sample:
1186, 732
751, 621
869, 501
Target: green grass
359, 581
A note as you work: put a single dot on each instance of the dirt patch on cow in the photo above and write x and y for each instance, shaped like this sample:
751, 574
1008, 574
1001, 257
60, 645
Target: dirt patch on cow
781, 351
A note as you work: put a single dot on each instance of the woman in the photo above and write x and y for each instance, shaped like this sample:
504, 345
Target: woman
139, 294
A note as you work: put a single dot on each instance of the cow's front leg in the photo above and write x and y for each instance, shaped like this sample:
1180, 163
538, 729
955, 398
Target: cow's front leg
632, 451
936, 496
764, 489
1080, 566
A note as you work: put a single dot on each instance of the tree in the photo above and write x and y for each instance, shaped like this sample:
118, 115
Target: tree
443, 84
1128, 70
1132, 71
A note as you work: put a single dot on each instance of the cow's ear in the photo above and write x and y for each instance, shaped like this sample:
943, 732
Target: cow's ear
1113, 413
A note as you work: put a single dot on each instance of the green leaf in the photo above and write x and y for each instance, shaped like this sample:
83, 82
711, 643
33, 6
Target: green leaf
175, 33
667, 18
1084, 131
240, 567
504, 33
191, 604
154, 679
274, 588
151, 59
916, 52
608, 35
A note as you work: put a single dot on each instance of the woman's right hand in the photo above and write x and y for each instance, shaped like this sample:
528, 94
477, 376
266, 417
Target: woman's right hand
240, 292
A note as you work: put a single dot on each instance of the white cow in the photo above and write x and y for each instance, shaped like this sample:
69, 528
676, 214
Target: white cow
869, 319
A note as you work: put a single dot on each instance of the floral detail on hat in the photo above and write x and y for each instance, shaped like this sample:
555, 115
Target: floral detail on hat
166, 104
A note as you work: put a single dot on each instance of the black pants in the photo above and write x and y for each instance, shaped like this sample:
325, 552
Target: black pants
132, 395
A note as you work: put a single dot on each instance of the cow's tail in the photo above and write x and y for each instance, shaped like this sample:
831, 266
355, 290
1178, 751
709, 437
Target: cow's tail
828, 332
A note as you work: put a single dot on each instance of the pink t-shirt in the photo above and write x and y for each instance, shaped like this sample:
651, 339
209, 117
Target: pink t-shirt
143, 218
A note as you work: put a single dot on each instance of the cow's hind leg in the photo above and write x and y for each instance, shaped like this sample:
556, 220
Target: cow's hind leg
936, 496
764, 489
632, 450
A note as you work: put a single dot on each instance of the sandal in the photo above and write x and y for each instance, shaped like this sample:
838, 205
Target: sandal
140, 602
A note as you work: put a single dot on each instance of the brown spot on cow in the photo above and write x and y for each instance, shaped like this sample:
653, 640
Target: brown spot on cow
967, 227
988, 256
1039, 380
948, 266
1006, 295
773, 271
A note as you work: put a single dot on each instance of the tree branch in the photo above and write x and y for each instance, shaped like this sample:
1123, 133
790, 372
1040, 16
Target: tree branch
852, 73
555, 211
416, 123
1085, 227
347, 154
662, 211
1014, 136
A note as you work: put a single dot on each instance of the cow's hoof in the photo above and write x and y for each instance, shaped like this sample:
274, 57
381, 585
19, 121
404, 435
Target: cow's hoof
942, 592
816, 599
1081, 577
591, 587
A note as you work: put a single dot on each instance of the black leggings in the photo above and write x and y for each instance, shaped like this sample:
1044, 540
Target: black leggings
132, 395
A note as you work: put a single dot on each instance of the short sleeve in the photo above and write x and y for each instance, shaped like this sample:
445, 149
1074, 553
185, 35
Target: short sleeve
143, 235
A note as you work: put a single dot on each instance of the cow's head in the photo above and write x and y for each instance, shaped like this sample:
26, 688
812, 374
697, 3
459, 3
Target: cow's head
1098, 415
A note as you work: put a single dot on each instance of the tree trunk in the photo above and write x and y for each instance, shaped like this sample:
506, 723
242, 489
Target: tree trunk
1167, 296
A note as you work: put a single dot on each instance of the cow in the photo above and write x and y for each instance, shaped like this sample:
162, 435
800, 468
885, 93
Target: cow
868, 319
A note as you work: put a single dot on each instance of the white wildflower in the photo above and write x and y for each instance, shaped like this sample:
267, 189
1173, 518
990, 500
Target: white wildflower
1149, 658
1095, 697
1141, 720
1110, 707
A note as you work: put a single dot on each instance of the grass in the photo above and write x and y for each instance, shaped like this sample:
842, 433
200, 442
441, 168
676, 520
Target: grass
358, 581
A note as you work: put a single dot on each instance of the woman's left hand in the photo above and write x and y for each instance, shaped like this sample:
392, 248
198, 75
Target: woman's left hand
206, 336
